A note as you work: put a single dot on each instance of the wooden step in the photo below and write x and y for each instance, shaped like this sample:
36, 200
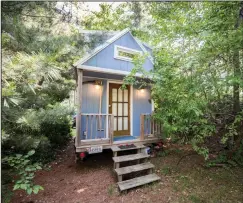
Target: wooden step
117, 149
119, 159
128, 184
134, 168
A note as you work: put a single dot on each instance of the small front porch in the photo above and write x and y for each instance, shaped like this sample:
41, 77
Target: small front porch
99, 131
108, 115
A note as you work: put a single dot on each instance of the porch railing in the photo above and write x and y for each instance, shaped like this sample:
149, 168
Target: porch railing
149, 127
96, 128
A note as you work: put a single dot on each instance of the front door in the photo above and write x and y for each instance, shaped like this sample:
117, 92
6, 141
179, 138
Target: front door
119, 106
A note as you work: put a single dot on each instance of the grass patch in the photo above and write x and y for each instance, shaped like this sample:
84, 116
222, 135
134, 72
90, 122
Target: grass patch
111, 190
162, 153
166, 170
194, 198
192, 182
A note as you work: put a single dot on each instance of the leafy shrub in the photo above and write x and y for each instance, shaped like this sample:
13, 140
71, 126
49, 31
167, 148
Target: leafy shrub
43, 130
55, 125
57, 133
44, 152
25, 171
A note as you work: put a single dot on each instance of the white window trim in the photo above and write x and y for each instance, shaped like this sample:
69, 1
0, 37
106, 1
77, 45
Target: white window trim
124, 49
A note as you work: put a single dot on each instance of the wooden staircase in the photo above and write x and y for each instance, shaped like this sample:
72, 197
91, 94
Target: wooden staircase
141, 164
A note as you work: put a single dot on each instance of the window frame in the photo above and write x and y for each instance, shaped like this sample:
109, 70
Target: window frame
127, 50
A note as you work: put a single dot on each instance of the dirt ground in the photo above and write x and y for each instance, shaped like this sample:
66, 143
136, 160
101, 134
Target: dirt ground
94, 181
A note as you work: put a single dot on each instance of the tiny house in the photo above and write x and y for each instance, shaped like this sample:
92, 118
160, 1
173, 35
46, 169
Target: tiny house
107, 114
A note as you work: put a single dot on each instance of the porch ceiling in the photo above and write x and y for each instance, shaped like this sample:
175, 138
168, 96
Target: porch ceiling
90, 74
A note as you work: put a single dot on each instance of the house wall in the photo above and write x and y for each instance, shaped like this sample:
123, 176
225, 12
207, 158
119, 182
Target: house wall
148, 49
90, 104
105, 58
142, 104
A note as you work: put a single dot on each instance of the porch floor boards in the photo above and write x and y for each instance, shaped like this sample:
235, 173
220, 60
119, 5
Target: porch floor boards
117, 149
124, 138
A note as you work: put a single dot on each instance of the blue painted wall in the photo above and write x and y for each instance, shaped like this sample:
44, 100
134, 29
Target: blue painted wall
148, 49
90, 104
90, 98
141, 105
105, 58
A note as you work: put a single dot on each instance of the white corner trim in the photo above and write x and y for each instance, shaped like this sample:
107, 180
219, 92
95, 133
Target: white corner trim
131, 110
152, 101
100, 48
105, 70
107, 106
127, 50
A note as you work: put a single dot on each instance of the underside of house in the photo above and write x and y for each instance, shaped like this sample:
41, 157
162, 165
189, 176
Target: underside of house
108, 115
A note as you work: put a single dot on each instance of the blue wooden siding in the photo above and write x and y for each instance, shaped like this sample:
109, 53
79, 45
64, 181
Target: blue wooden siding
90, 104
90, 98
141, 105
148, 49
105, 58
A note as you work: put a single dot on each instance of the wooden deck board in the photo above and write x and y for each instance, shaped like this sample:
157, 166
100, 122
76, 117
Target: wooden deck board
84, 145
132, 157
128, 184
134, 168
117, 149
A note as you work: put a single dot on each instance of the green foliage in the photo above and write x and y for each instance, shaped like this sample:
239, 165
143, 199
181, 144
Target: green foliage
163, 153
55, 125
235, 160
232, 128
197, 70
25, 171
43, 129
138, 62
111, 190
37, 77
238, 155
166, 171
195, 199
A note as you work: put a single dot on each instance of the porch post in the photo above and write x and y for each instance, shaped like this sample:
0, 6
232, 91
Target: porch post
78, 116
142, 127
111, 128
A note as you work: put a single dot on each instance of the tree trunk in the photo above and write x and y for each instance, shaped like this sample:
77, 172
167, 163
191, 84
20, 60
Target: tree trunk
236, 64
236, 87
